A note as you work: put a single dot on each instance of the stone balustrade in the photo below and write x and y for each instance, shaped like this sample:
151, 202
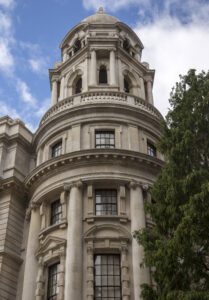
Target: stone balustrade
100, 97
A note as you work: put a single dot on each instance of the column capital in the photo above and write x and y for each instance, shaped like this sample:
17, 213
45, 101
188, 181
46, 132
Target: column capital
34, 205
134, 184
112, 49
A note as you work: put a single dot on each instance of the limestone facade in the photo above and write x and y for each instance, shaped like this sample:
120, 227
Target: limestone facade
73, 192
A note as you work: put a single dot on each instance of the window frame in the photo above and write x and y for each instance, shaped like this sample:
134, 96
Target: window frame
101, 286
151, 149
53, 297
55, 152
106, 204
54, 215
104, 145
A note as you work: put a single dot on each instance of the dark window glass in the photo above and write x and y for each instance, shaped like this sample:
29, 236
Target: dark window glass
52, 282
105, 202
151, 150
78, 86
102, 74
126, 86
126, 46
57, 149
105, 139
77, 46
56, 212
107, 277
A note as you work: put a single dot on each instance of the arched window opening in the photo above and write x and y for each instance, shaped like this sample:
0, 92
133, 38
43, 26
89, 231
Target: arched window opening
77, 46
126, 86
103, 74
78, 86
126, 45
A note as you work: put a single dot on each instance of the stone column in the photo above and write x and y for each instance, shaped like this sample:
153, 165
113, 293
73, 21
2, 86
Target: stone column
90, 271
112, 67
140, 275
149, 92
93, 68
54, 97
74, 265
31, 263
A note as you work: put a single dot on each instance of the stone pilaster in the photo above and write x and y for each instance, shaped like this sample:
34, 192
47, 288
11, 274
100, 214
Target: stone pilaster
74, 265
40, 280
54, 97
93, 68
125, 273
62, 88
61, 276
43, 215
149, 92
112, 67
140, 275
31, 266
90, 271
142, 88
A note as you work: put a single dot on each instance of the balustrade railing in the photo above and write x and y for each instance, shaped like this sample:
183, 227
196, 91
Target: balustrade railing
100, 97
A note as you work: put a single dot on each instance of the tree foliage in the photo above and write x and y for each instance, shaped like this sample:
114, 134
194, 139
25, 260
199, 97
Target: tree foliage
177, 247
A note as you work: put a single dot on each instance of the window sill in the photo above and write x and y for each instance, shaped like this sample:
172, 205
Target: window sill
47, 230
120, 218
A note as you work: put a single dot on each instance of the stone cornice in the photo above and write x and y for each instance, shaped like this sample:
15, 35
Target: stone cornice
11, 183
85, 157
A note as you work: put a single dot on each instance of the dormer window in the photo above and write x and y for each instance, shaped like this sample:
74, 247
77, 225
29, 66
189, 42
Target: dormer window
77, 46
102, 74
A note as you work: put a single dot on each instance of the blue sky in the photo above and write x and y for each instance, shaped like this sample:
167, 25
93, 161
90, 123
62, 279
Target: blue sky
175, 35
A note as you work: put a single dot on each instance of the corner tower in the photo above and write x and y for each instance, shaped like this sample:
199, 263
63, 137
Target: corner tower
96, 160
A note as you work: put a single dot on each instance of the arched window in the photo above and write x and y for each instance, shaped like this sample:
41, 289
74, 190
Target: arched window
126, 86
102, 74
126, 45
77, 46
78, 86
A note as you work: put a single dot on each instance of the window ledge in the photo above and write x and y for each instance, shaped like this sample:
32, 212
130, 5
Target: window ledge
120, 218
47, 230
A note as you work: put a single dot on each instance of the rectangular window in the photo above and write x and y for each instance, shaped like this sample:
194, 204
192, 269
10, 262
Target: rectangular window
107, 277
56, 212
105, 202
57, 149
52, 282
105, 139
151, 149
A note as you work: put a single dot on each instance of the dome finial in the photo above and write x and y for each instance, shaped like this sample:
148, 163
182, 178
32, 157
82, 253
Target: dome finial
100, 10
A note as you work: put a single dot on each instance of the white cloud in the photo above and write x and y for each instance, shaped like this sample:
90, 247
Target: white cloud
6, 58
38, 65
7, 3
25, 93
7, 110
172, 48
45, 105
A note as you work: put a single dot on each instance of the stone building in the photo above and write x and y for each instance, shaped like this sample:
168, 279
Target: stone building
71, 194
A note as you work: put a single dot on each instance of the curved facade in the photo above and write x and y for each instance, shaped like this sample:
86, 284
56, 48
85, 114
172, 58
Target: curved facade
85, 172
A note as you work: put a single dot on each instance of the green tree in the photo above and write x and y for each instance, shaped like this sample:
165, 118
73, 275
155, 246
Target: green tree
177, 247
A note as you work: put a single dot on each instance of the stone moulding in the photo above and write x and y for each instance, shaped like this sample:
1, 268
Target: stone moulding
101, 97
87, 156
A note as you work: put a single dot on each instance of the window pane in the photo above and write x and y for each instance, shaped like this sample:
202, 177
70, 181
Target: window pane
57, 149
104, 139
56, 212
109, 285
106, 202
52, 282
